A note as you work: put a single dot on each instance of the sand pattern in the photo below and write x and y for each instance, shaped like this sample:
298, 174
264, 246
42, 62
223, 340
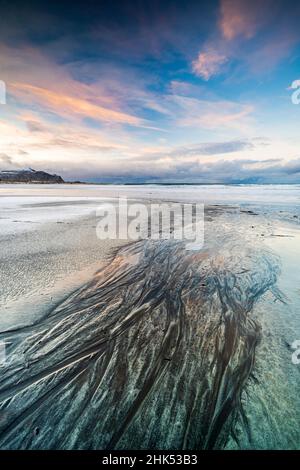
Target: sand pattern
155, 352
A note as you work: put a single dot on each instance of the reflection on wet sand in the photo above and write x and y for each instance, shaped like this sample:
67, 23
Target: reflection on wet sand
155, 352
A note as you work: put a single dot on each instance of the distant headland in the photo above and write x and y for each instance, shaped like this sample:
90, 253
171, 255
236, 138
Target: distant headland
29, 176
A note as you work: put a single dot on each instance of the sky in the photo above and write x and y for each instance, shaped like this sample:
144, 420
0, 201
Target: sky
152, 91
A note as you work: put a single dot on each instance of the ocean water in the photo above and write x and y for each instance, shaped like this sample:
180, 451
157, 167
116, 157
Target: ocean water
230, 194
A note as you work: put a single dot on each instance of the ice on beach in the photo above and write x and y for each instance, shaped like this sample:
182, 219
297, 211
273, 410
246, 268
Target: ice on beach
22, 206
23, 213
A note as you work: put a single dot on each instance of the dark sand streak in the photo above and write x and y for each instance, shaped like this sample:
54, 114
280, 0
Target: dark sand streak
154, 353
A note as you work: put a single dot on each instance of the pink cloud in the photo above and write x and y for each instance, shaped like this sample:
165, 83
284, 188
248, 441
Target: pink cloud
35, 80
68, 105
242, 17
241, 24
209, 63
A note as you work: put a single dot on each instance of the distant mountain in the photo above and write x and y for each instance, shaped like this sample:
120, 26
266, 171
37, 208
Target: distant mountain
28, 176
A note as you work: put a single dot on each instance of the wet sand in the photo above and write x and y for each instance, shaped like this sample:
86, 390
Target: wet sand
163, 348
43, 263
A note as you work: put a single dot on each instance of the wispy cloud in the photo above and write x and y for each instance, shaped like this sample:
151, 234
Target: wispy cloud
88, 154
214, 114
67, 105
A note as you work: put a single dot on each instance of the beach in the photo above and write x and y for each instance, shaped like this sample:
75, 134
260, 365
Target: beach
132, 329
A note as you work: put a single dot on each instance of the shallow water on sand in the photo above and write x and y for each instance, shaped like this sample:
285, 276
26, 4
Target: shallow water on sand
272, 400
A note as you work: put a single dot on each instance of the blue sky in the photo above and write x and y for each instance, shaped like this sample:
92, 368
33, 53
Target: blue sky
152, 91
